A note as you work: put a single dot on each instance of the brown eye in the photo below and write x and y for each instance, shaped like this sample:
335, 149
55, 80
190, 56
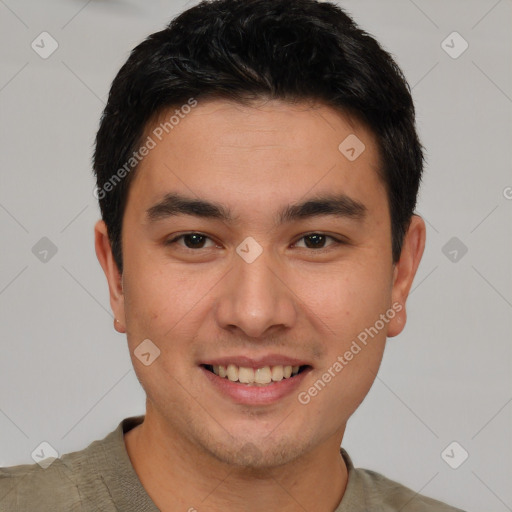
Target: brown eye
194, 241
191, 240
318, 241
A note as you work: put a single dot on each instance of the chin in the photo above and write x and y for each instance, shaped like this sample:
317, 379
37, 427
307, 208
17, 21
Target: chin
255, 453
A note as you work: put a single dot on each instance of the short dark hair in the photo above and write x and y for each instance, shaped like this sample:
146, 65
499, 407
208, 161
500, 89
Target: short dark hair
244, 50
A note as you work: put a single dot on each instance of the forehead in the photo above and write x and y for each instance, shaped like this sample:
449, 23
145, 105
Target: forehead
258, 152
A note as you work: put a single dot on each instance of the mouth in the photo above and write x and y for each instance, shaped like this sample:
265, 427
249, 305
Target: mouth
256, 377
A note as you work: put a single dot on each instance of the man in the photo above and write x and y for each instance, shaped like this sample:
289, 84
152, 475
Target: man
257, 170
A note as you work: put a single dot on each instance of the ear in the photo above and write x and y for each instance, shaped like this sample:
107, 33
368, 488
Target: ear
114, 278
405, 270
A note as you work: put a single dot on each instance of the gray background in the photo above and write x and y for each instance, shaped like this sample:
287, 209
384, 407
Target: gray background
66, 375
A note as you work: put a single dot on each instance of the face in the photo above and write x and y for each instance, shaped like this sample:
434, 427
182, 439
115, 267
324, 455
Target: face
253, 246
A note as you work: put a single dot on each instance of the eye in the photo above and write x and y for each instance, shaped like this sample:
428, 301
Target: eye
200, 241
192, 241
317, 241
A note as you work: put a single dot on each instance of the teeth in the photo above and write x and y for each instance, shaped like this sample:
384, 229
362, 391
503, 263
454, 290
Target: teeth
245, 375
258, 376
232, 372
277, 373
263, 375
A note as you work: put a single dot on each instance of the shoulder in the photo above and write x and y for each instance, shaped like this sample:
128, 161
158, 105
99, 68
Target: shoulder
393, 496
73, 482
369, 490
29, 486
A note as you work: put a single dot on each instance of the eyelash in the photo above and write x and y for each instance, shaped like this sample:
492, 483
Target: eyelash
336, 241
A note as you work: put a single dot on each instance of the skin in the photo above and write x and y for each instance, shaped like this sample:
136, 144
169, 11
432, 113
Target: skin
196, 447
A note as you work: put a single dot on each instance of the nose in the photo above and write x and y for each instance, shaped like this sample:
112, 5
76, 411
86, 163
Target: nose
255, 298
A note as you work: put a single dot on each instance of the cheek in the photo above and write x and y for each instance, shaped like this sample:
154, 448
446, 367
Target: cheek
349, 303
347, 300
160, 300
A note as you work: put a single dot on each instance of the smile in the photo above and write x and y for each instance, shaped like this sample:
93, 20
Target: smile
255, 376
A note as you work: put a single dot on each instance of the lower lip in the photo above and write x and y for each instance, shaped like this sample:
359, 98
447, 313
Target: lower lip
256, 395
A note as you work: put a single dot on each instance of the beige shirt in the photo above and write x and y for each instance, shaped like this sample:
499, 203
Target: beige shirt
101, 478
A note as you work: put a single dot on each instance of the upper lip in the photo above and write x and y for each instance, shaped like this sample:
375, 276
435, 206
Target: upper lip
256, 362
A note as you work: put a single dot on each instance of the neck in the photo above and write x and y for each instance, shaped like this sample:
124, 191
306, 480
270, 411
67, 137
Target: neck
177, 478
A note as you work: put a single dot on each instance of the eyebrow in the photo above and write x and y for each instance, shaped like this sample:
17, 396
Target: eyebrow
338, 205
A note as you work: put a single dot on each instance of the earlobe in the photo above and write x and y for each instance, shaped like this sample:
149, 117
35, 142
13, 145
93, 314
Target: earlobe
405, 270
114, 278
119, 327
